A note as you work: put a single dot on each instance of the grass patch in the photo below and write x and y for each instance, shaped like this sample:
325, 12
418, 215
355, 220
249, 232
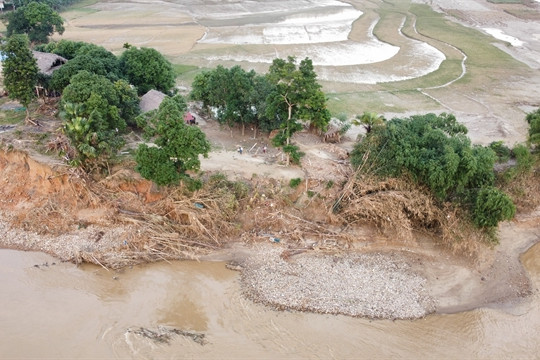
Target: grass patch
181, 69
12, 115
476, 45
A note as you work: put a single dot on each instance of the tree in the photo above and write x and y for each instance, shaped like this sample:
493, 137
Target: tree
435, 151
178, 145
100, 99
37, 20
20, 71
369, 120
95, 112
296, 96
147, 69
238, 96
65, 48
94, 59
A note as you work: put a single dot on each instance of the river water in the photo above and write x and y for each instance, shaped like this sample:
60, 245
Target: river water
61, 311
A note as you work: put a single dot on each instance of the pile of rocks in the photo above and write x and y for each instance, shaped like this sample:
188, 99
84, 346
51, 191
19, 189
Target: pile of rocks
371, 285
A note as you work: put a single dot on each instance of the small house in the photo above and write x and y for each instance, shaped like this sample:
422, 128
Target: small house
151, 100
47, 63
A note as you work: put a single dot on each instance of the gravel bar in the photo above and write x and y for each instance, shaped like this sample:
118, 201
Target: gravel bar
370, 285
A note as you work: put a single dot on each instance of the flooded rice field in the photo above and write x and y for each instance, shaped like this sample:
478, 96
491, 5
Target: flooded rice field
56, 310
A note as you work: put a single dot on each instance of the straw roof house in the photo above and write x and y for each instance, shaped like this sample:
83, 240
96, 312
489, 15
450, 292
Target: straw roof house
151, 100
47, 62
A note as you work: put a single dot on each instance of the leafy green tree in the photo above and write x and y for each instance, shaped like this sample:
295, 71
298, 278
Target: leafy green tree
435, 151
200, 89
296, 96
20, 71
65, 48
533, 118
100, 99
128, 101
37, 20
369, 120
260, 91
95, 111
96, 60
80, 130
147, 69
178, 145
55, 4
238, 96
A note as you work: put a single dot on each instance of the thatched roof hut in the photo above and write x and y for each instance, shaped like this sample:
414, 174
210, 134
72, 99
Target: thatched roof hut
151, 100
47, 62
333, 134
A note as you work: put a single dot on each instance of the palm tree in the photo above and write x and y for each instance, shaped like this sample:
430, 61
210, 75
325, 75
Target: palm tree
369, 120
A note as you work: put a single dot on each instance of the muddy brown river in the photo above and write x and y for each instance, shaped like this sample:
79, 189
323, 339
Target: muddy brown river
61, 311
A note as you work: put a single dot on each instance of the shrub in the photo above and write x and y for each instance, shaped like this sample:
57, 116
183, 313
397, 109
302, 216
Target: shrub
492, 206
523, 157
293, 183
533, 119
502, 151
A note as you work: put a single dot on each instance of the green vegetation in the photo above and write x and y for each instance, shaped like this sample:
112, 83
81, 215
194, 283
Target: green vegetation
296, 96
434, 151
55, 4
533, 118
180, 69
178, 145
293, 183
238, 97
20, 71
147, 69
502, 151
369, 120
37, 20
95, 112
92, 58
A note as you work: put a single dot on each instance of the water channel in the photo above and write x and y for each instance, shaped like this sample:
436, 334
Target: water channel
62, 311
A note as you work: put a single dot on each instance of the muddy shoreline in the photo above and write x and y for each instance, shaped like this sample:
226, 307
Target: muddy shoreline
390, 284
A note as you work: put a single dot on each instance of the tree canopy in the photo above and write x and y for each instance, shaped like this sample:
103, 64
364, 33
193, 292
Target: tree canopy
147, 69
369, 120
92, 58
238, 96
20, 70
178, 145
95, 114
296, 96
37, 20
435, 151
